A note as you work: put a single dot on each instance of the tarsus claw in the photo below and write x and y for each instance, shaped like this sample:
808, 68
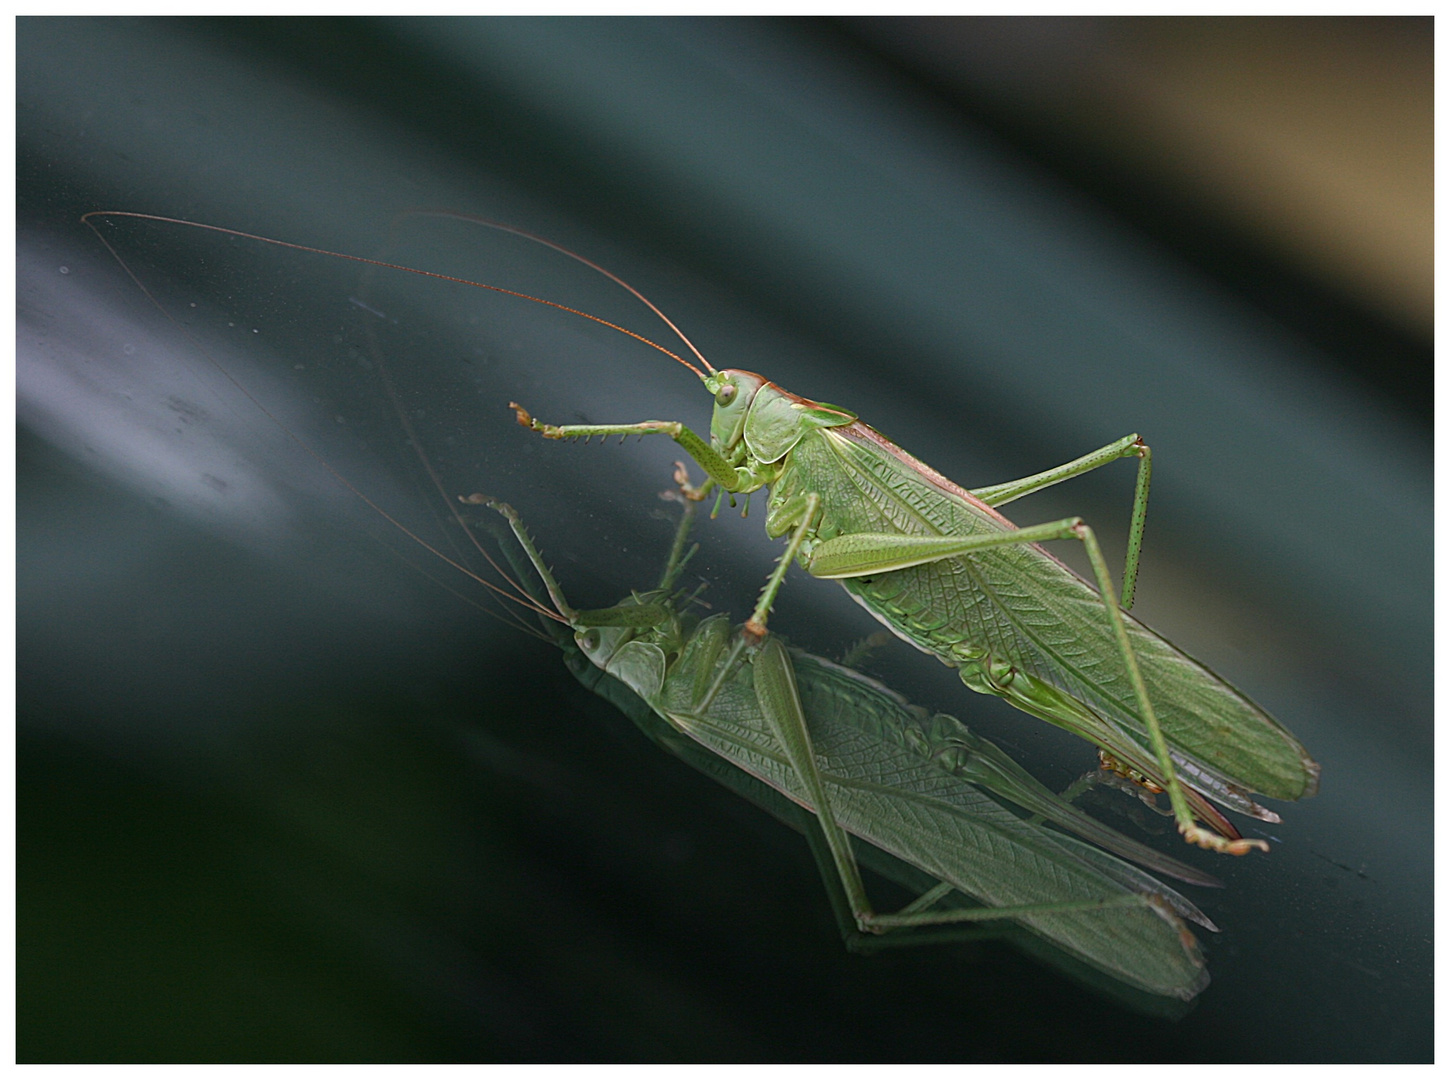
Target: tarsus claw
524, 417
1213, 842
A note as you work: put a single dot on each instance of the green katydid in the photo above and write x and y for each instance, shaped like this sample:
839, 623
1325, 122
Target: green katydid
942, 568
767, 721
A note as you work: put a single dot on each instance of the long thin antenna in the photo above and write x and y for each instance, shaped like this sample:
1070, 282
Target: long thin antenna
562, 250
86, 218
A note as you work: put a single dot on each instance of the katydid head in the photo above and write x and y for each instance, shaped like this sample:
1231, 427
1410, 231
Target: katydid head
734, 393
768, 419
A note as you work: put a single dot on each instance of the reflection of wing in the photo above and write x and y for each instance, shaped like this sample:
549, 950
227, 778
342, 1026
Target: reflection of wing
898, 799
1026, 607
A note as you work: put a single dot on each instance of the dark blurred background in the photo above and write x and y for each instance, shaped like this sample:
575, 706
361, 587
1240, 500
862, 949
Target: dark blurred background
282, 797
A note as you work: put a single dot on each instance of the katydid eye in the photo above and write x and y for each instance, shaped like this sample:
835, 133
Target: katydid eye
725, 395
590, 640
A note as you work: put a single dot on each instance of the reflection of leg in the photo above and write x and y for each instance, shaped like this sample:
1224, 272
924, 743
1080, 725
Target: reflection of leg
687, 489
675, 564
526, 542
851, 934
1106, 778
779, 698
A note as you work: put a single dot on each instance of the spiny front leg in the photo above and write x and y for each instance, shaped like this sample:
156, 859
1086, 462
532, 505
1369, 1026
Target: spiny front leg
588, 431
718, 469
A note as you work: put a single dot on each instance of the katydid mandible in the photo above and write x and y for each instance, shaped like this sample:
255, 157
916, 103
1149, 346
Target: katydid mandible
865, 762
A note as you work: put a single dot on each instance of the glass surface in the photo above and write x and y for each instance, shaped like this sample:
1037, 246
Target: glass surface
285, 792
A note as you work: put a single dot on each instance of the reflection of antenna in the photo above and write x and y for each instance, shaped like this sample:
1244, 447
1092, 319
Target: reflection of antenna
516, 593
